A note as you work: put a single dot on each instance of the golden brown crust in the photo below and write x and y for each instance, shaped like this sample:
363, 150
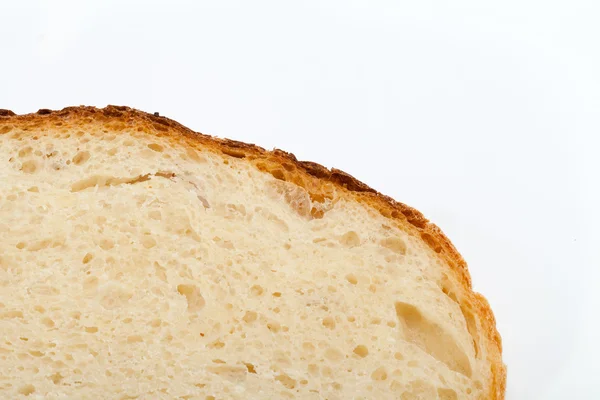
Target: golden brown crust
315, 178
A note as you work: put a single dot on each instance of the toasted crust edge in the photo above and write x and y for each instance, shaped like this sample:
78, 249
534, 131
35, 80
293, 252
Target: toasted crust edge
289, 168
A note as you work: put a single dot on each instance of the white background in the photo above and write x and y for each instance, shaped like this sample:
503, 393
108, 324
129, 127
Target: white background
484, 115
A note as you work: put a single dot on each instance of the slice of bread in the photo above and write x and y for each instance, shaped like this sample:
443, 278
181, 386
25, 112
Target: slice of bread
142, 260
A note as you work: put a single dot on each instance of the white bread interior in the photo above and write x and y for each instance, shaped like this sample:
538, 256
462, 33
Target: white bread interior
139, 262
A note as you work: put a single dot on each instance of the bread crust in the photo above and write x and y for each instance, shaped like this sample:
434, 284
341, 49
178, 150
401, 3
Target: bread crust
315, 178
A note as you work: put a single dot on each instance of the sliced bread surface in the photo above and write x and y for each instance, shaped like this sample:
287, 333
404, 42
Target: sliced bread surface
140, 259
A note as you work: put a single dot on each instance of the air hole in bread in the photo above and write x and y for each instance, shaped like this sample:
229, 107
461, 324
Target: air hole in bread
39, 245
431, 242
380, 374
350, 239
217, 344
105, 243
471, 327
329, 323
296, 197
160, 272
394, 244
333, 355
25, 151
249, 317
352, 279
29, 166
471, 322
194, 156
156, 147
81, 158
134, 339
106, 181
313, 369
278, 174
236, 210
361, 350
193, 296
430, 338
286, 381
56, 378
148, 242
273, 326
447, 394
317, 213
256, 290
250, 368
233, 153
26, 390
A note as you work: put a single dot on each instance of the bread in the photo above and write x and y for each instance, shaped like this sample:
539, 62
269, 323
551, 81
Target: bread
142, 260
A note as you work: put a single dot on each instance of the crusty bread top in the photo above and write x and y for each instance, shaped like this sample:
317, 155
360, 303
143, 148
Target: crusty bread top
319, 182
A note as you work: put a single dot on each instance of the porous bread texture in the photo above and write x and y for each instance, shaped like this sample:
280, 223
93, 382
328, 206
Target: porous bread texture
139, 259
